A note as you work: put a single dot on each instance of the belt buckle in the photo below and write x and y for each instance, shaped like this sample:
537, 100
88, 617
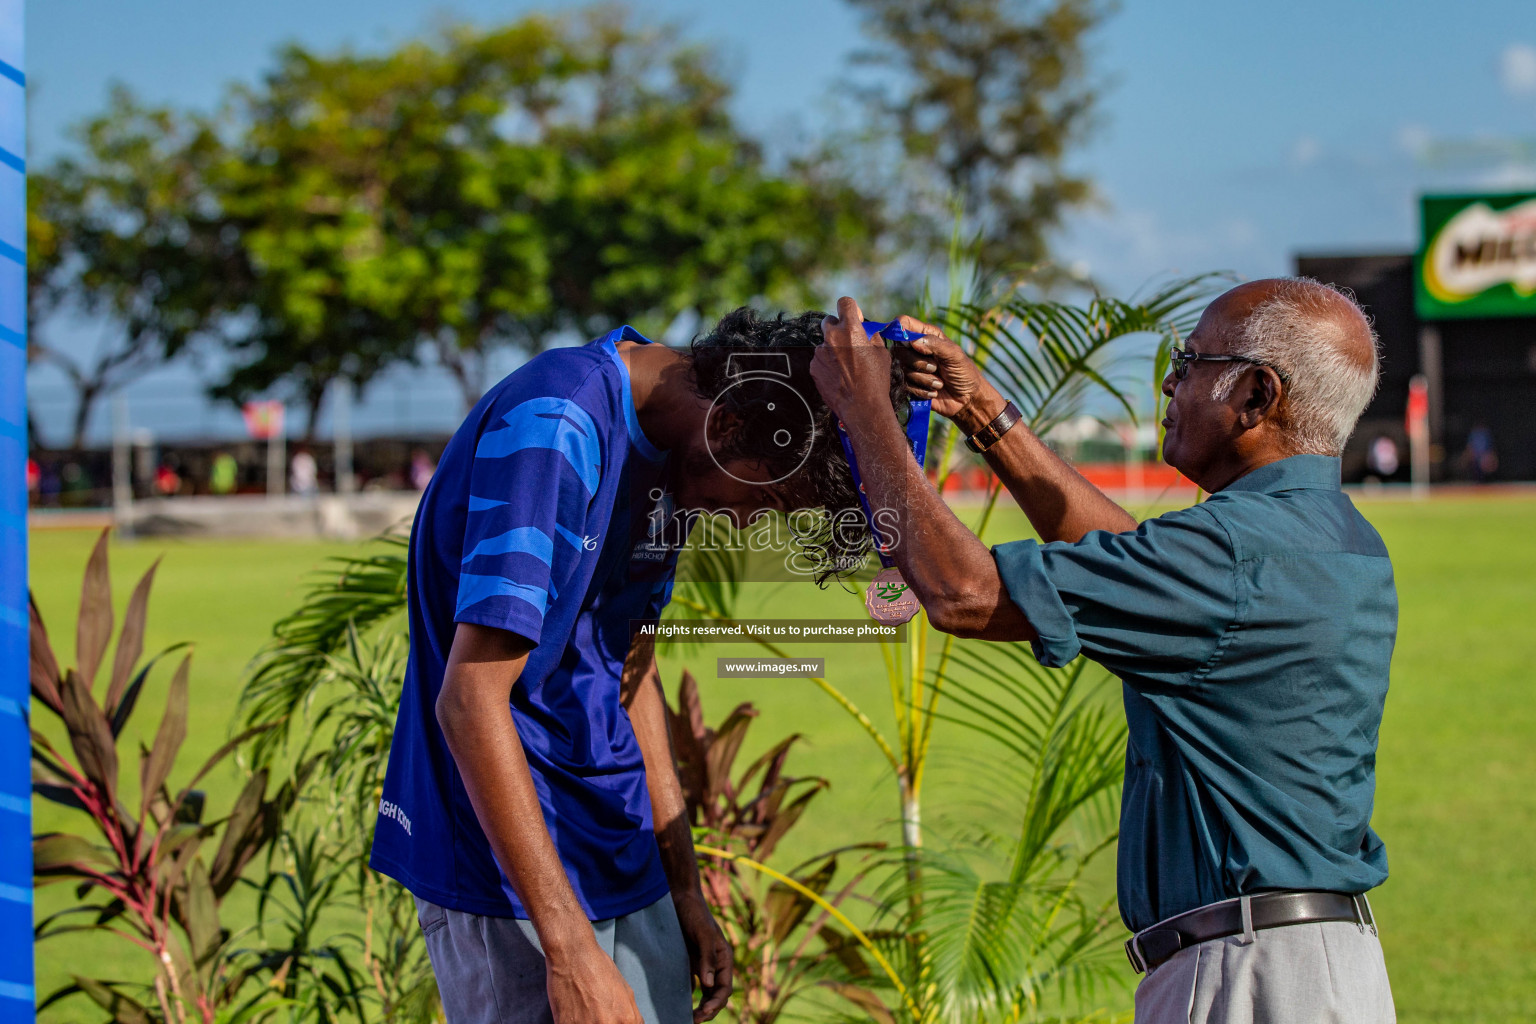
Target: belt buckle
1133, 954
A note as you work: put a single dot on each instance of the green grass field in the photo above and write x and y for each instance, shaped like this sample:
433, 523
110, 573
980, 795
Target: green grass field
1456, 806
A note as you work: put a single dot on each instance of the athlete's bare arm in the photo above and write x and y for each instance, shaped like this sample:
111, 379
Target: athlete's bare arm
585, 987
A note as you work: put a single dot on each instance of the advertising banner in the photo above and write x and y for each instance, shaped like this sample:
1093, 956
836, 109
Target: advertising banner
1477, 257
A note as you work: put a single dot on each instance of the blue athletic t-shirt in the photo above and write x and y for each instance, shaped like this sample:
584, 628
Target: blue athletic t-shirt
536, 522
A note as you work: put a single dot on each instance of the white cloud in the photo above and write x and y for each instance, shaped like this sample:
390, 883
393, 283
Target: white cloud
1507, 177
1127, 247
1306, 151
1414, 139
1517, 69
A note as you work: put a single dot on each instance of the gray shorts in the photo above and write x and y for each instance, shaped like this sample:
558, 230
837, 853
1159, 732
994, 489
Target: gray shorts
1330, 972
490, 970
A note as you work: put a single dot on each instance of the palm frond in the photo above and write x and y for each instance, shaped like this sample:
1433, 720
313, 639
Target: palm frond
996, 923
997, 947
350, 594
1067, 745
1049, 355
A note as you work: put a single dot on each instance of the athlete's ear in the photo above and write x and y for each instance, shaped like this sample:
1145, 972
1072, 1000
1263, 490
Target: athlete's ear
720, 427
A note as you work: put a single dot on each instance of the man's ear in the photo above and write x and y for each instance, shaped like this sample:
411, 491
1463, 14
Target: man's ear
1262, 398
720, 427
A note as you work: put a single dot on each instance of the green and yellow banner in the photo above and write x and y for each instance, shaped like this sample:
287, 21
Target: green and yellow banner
1477, 257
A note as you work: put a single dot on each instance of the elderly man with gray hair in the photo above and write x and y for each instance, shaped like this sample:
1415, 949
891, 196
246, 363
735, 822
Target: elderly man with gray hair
1253, 633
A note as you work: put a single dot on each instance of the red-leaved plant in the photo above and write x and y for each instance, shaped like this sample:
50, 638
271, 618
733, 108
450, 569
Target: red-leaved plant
779, 923
143, 875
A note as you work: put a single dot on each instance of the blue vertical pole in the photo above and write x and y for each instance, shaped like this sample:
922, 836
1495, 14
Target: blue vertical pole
16, 991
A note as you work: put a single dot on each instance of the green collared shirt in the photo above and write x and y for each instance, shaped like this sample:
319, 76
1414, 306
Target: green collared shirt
1253, 633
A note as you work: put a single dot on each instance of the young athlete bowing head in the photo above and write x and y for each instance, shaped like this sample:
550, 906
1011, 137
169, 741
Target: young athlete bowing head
548, 848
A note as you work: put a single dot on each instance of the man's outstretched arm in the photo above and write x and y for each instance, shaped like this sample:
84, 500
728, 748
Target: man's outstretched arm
950, 569
1060, 503
709, 954
584, 985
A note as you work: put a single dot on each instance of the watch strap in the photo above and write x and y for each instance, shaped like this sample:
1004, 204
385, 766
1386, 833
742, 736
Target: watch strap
993, 432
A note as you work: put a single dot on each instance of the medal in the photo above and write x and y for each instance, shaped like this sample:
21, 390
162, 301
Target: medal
889, 599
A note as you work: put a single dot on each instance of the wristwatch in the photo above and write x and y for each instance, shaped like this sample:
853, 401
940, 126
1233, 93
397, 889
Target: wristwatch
993, 432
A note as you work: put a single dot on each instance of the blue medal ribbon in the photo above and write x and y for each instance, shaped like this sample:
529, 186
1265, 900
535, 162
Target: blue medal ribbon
917, 433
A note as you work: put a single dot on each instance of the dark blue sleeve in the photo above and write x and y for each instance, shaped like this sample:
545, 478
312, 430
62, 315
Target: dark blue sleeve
530, 516
661, 594
1152, 603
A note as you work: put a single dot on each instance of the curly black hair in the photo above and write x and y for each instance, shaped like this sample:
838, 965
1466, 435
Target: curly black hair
756, 368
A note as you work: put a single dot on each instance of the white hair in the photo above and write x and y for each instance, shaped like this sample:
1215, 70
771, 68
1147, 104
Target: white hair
1299, 331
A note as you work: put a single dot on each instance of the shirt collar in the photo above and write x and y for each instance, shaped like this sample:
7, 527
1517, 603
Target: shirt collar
625, 333
1315, 472
637, 436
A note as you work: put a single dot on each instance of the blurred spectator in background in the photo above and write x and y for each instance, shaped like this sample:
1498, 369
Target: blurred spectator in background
224, 475
422, 468
167, 480
34, 477
1381, 460
49, 485
303, 474
1480, 458
76, 485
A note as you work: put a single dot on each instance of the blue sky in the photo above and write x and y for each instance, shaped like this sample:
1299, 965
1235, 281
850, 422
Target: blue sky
1232, 135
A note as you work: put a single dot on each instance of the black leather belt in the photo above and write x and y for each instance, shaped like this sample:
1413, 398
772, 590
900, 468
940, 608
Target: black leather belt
1152, 946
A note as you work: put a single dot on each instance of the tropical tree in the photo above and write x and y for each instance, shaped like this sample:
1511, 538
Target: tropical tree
498, 187
635, 195
321, 158
121, 236
983, 100
667, 205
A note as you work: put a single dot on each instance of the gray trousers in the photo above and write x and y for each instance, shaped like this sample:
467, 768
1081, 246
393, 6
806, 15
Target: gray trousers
490, 970
1330, 972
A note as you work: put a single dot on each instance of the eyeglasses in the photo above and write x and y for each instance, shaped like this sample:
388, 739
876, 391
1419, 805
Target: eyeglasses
1183, 358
